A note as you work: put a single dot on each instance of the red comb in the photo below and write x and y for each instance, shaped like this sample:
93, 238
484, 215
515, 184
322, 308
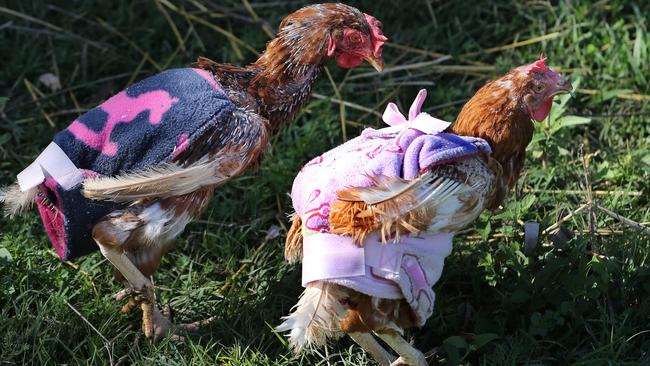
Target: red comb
538, 66
378, 37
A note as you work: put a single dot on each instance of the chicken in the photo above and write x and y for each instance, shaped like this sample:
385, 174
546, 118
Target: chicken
375, 216
127, 176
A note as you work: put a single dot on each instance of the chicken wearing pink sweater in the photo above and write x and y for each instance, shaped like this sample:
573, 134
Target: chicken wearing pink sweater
375, 217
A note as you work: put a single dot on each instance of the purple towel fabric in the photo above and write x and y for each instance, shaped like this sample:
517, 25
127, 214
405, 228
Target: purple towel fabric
145, 125
375, 153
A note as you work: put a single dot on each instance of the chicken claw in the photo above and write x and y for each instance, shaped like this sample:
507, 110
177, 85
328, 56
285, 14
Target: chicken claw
134, 297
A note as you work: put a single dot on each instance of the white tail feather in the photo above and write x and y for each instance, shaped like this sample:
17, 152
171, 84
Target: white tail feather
388, 188
15, 201
314, 319
165, 180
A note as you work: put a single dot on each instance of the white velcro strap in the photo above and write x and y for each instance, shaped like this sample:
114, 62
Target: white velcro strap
52, 162
384, 256
328, 256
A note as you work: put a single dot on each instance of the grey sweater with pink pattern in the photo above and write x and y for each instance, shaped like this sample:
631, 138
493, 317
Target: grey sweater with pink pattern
143, 126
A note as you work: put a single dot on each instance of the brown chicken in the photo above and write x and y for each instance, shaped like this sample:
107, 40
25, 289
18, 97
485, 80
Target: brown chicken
400, 228
146, 205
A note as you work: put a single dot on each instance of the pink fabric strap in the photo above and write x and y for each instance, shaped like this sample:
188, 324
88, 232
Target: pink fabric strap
330, 256
52, 162
327, 256
385, 257
417, 120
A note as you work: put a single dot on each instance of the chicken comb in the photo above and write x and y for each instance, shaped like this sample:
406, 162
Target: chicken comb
538, 66
378, 37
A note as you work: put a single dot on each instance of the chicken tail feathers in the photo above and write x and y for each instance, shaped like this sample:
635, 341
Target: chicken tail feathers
393, 206
165, 180
314, 319
16, 202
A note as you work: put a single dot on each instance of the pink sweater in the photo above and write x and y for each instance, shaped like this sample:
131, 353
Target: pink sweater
406, 269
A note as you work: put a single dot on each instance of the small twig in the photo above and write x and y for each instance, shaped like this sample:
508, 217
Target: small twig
131, 44
68, 263
586, 175
590, 198
172, 25
496, 236
562, 220
448, 104
137, 70
172, 56
66, 90
433, 65
432, 14
209, 24
48, 25
514, 44
337, 92
346, 103
573, 191
628, 96
265, 27
126, 355
107, 344
428, 53
54, 114
623, 219
31, 90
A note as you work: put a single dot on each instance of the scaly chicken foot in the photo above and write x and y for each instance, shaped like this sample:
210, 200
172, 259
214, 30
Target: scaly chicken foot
110, 239
133, 297
154, 324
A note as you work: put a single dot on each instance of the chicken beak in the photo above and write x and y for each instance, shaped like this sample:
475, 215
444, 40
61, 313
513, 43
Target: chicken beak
564, 86
376, 62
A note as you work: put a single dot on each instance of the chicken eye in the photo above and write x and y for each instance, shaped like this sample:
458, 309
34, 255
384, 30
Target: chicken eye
355, 38
539, 87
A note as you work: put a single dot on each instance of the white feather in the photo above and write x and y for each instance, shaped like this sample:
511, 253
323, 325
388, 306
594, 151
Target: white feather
315, 317
437, 191
164, 180
387, 188
427, 190
160, 226
15, 201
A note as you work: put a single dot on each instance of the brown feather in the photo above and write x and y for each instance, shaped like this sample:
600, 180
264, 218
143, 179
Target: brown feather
358, 219
364, 315
293, 244
496, 113
278, 84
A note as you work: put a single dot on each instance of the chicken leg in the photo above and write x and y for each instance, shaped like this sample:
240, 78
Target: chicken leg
370, 344
154, 323
111, 234
409, 355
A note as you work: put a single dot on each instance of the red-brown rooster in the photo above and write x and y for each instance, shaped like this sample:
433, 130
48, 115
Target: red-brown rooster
375, 216
127, 176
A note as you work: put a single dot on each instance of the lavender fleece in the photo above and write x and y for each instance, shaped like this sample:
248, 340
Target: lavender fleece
373, 154
147, 124
407, 269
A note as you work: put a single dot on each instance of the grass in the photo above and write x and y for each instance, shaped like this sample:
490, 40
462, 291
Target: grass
581, 301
